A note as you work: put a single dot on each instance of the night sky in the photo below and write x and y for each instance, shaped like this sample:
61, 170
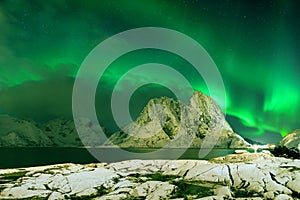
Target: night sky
255, 44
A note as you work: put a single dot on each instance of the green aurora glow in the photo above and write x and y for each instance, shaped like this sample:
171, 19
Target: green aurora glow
255, 44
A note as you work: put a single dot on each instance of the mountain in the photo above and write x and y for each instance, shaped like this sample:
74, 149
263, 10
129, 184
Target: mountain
291, 140
64, 133
201, 123
165, 121
54, 133
17, 132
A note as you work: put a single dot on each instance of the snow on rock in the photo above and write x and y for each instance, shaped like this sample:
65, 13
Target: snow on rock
164, 120
56, 196
84, 180
23, 192
260, 177
291, 140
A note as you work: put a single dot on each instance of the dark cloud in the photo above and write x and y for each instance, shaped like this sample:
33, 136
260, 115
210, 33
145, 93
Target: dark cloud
41, 101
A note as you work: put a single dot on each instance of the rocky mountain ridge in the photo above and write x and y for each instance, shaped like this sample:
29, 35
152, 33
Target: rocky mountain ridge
169, 122
17, 132
55, 133
165, 121
291, 140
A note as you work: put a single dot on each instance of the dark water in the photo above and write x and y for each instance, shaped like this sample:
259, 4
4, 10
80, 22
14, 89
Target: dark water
32, 156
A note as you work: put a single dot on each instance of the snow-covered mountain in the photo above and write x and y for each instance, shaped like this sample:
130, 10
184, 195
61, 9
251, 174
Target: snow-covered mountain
165, 121
291, 140
17, 132
55, 133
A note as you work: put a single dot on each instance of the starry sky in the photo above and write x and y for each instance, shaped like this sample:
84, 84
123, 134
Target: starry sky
255, 45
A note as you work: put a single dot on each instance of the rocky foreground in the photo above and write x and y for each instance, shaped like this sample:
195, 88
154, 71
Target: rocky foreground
244, 176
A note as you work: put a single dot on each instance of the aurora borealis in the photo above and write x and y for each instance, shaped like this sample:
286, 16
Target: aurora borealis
255, 45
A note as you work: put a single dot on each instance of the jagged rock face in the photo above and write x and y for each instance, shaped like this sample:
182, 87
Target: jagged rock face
164, 120
16, 132
291, 140
242, 176
208, 113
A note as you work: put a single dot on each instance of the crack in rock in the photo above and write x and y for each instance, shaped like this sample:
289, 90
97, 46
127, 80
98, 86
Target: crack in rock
230, 175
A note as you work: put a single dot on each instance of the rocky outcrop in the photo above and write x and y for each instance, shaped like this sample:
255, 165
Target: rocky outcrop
243, 176
291, 140
165, 121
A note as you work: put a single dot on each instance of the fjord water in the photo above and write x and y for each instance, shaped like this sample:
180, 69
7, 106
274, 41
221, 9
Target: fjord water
37, 156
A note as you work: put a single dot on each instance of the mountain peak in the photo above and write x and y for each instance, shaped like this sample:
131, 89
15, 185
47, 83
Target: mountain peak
291, 140
165, 119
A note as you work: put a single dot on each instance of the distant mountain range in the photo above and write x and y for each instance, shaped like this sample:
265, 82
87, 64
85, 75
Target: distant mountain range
55, 133
163, 121
16, 132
